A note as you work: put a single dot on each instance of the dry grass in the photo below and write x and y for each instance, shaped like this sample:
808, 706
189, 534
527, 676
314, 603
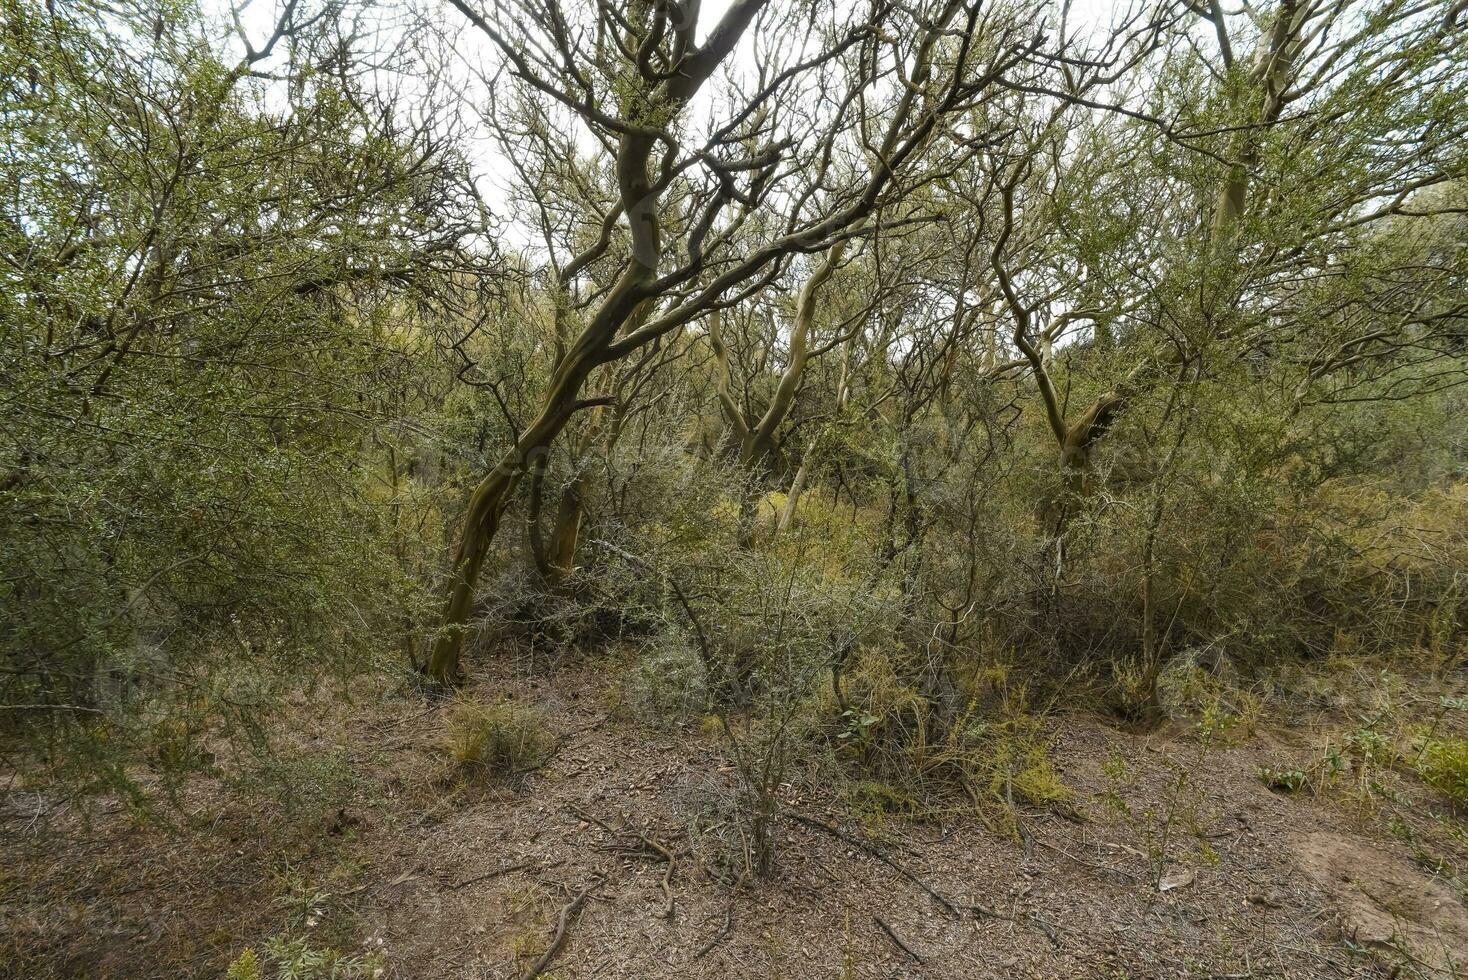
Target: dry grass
497, 740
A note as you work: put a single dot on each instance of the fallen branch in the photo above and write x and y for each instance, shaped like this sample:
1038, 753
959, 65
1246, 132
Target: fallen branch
568, 912
898, 940
1039, 923
882, 856
728, 923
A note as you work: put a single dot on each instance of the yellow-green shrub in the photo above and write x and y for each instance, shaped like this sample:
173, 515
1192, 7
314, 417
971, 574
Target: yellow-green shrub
498, 739
1443, 765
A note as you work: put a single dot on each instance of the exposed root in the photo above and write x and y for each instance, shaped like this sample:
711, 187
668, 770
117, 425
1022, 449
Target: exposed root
645, 846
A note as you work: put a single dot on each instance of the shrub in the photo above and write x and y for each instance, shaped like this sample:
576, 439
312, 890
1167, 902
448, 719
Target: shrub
499, 740
1023, 771
1443, 765
246, 966
668, 685
992, 748
881, 719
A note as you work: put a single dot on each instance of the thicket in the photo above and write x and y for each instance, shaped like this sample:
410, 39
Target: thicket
1076, 398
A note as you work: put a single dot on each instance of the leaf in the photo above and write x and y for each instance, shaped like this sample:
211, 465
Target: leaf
1177, 879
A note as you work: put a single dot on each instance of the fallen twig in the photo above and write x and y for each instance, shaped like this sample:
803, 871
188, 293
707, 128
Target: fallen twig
728, 922
1088, 864
898, 940
568, 912
389, 726
589, 818
1039, 923
882, 856
497, 872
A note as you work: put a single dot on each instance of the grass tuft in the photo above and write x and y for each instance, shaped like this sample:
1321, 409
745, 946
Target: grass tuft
1443, 765
497, 740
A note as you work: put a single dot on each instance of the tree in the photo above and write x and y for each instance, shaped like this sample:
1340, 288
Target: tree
886, 85
210, 297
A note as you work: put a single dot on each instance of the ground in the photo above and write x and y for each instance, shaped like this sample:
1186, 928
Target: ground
1172, 858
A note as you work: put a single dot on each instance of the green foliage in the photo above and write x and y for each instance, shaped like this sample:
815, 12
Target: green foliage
1443, 765
1172, 828
993, 748
256, 354
203, 335
876, 800
245, 966
298, 959
1283, 779
1023, 772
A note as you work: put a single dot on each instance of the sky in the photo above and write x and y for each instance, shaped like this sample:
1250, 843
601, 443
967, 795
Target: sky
493, 170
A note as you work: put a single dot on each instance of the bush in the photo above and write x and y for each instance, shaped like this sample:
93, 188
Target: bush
881, 718
992, 748
1443, 765
498, 740
668, 685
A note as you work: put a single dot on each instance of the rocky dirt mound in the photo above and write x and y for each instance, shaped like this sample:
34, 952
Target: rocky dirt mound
1384, 900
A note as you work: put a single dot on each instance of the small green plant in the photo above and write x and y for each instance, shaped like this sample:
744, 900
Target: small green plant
499, 739
245, 966
1182, 810
304, 905
298, 959
994, 748
526, 916
848, 956
1443, 765
1283, 779
857, 729
1444, 705
1371, 745
881, 720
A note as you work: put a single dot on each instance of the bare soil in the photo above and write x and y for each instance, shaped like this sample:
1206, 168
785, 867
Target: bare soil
443, 876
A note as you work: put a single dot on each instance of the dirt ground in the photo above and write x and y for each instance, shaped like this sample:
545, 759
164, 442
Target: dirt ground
621, 838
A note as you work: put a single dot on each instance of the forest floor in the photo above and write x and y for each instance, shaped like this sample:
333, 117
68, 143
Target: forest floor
1172, 859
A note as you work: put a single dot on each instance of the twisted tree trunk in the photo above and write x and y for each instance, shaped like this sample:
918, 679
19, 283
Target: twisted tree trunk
491, 498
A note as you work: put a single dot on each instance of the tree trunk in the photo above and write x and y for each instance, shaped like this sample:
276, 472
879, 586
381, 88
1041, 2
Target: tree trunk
481, 521
639, 196
797, 487
491, 498
556, 560
561, 556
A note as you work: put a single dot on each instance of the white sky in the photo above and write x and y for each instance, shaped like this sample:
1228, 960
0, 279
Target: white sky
493, 170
